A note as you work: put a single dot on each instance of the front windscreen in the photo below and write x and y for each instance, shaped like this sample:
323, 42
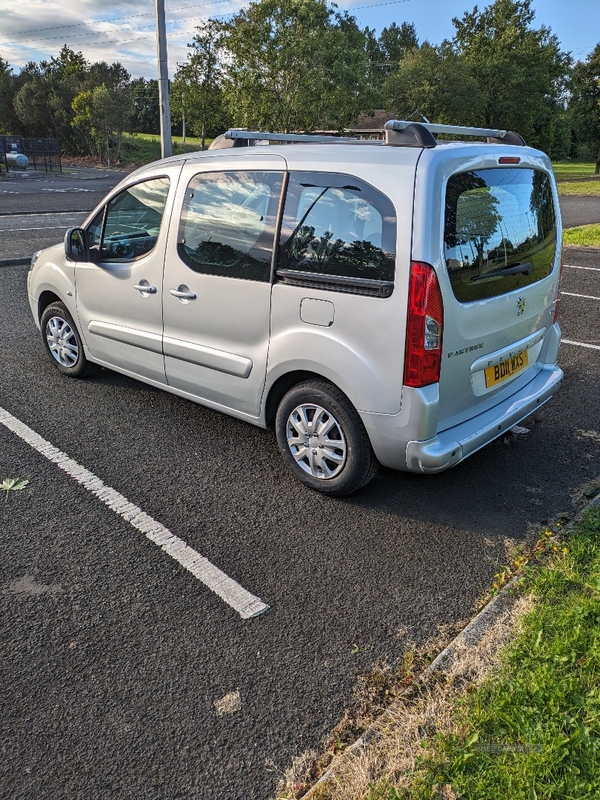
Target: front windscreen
499, 231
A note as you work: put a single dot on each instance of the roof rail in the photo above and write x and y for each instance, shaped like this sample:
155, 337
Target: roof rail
421, 134
242, 138
398, 133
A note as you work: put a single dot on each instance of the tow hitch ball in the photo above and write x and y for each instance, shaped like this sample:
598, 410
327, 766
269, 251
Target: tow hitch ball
524, 434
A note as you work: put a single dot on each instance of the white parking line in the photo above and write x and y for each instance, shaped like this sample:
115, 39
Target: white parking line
581, 344
247, 605
40, 213
47, 228
592, 269
586, 296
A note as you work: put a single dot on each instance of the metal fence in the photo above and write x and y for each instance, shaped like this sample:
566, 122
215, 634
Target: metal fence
40, 152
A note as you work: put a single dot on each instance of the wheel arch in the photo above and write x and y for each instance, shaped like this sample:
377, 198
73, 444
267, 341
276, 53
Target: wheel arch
45, 299
284, 383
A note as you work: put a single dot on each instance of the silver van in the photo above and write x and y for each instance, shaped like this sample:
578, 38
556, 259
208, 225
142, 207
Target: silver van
389, 302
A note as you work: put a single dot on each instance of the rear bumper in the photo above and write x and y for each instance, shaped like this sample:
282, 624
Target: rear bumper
389, 434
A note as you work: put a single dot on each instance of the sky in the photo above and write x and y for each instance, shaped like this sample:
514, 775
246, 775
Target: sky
124, 30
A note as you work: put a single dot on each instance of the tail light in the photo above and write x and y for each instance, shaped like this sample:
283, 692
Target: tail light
557, 306
423, 356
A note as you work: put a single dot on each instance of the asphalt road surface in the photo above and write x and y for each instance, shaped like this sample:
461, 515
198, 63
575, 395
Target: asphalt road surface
37, 207
579, 210
124, 676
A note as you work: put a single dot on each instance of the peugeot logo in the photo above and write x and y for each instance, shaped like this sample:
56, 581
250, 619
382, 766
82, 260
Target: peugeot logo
520, 306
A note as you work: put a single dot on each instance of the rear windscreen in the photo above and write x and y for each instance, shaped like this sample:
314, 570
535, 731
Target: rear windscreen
499, 231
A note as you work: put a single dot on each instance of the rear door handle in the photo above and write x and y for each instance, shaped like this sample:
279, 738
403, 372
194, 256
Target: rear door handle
183, 293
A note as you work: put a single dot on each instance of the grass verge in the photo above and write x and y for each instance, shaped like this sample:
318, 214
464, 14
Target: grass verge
583, 236
571, 178
572, 170
531, 729
579, 187
142, 148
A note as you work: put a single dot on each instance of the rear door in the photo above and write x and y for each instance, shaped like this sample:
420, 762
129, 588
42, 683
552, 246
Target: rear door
217, 286
499, 280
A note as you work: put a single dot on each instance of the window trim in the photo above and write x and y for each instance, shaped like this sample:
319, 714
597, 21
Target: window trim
336, 283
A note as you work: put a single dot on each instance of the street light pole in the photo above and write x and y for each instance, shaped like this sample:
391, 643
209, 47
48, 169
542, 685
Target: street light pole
166, 145
183, 115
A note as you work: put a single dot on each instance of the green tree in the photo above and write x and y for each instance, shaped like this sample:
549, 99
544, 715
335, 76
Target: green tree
396, 41
436, 83
8, 89
145, 106
584, 105
100, 114
294, 65
43, 104
114, 76
385, 52
197, 88
520, 70
45, 101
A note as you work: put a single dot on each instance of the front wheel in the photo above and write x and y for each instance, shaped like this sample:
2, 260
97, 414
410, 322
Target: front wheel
63, 343
322, 439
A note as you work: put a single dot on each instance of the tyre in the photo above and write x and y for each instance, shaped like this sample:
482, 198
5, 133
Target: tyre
322, 439
63, 343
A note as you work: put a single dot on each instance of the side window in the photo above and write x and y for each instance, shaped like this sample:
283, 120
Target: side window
228, 223
128, 226
339, 226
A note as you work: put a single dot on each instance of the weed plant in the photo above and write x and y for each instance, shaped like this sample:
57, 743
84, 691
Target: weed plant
532, 730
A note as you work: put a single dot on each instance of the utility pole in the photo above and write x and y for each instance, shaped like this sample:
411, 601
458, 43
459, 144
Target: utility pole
166, 145
183, 115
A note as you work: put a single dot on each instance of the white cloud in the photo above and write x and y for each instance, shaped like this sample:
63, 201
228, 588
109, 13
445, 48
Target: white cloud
125, 31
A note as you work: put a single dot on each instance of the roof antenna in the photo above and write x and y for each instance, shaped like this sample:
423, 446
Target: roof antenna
420, 113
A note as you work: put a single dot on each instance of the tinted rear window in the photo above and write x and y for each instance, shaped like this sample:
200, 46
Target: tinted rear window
337, 225
499, 232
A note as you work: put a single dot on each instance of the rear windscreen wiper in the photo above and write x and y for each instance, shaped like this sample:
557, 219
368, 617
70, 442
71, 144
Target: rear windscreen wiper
524, 268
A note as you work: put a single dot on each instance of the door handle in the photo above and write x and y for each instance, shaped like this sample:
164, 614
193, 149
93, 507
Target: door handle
145, 288
183, 293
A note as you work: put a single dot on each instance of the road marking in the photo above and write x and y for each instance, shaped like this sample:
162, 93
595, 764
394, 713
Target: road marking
247, 605
592, 269
69, 189
581, 344
36, 213
586, 296
46, 228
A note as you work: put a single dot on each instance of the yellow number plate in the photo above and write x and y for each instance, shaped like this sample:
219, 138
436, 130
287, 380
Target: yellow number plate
506, 369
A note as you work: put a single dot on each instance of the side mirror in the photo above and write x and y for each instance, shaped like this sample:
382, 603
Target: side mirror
76, 247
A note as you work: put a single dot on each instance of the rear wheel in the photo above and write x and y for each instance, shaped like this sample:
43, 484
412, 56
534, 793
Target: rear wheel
322, 439
63, 343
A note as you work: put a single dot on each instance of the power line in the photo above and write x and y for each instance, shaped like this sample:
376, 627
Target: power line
72, 36
151, 14
114, 19
376, 5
